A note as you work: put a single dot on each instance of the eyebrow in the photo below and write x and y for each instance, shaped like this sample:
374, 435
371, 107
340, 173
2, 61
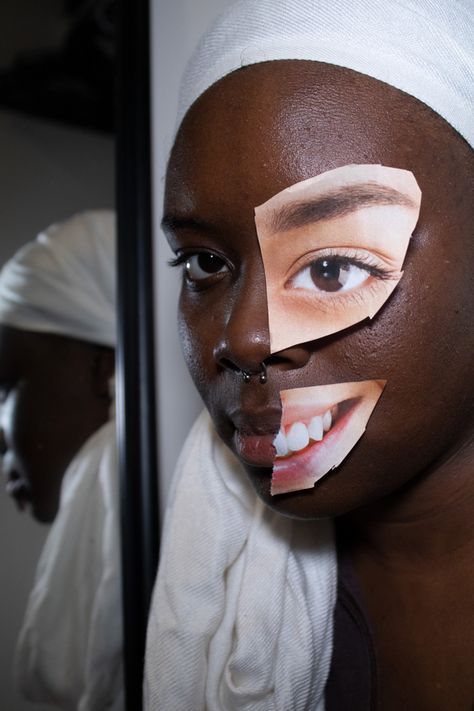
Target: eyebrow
170, 222
337, 203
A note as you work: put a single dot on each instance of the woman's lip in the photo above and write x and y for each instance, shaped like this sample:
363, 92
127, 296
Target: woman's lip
257, 421
254, 431
301, 468
255, 449
297, 413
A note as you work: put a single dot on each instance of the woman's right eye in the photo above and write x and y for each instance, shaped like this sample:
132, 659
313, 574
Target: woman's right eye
202, 266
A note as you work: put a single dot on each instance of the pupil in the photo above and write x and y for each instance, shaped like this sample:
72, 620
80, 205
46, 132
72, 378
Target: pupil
209, 263
326, 275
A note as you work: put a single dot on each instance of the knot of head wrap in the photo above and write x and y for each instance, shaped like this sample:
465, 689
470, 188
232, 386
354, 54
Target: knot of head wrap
422, 47
63, 282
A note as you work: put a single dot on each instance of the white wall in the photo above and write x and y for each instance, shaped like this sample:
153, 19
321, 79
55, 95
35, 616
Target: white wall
46, 173
176, 29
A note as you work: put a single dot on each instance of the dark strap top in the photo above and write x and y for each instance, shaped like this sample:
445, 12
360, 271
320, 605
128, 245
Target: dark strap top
352, 683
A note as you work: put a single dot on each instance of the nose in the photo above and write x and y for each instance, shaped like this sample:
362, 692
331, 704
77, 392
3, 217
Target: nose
245, 340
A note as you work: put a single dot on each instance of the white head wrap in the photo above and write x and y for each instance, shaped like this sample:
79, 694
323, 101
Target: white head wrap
423, 47
63, 282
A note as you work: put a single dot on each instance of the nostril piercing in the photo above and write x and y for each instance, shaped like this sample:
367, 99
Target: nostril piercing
262, 376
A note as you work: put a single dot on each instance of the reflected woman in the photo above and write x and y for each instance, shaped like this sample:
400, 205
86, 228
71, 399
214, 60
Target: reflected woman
355, 592
57, 439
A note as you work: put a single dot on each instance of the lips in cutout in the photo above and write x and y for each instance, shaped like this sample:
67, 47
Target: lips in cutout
351, 405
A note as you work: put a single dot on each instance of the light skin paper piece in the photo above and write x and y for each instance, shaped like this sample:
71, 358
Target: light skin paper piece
333, 248
319, 427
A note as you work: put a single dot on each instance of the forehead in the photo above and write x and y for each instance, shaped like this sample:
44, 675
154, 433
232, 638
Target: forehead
270, 125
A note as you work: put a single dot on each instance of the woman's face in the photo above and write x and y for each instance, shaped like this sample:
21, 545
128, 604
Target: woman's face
53, 396
249, 137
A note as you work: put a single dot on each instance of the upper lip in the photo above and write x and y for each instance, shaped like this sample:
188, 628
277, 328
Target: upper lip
262, 421
295, 413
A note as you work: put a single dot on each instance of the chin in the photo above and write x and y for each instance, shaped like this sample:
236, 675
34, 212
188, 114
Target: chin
306, 505
340, 492
44, 513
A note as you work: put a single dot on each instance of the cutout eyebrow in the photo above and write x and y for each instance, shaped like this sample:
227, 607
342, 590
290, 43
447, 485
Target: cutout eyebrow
337, 203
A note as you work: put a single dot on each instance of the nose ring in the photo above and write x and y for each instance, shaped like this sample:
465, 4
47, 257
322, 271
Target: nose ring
262, 376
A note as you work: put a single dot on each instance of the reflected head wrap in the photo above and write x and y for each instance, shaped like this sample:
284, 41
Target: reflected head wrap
63, 282
422, 47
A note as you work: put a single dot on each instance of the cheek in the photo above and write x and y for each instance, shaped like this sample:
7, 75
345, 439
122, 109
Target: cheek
196, 344
30, 431
426, 411
422, 347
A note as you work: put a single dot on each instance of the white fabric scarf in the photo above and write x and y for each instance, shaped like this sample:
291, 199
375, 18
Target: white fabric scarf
242, 610
69, 653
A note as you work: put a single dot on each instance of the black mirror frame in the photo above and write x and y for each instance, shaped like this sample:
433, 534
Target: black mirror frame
136, 409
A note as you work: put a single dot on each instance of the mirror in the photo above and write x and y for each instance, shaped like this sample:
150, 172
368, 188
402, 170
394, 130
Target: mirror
58, 155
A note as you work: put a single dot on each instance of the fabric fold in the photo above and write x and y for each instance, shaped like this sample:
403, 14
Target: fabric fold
241, 617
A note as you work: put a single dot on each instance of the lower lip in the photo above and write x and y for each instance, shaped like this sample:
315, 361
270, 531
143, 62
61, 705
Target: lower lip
302, 469
255, 450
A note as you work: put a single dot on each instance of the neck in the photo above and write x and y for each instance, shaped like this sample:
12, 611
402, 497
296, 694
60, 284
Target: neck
429, 520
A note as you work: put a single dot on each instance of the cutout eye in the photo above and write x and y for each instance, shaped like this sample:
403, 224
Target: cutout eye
203, 265
331, 274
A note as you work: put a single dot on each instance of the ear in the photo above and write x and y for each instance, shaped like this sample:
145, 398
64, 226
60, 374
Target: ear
103, 369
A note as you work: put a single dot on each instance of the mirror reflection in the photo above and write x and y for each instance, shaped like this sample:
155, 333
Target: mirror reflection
56, 411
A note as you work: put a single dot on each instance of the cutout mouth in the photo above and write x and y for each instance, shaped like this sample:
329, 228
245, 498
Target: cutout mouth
320, 425
303, 433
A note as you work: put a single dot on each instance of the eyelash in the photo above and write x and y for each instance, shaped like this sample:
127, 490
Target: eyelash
358, 259
178, 260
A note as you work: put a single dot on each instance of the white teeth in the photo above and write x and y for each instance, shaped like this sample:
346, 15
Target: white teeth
315, 428
281, 445
327, 420
297, 437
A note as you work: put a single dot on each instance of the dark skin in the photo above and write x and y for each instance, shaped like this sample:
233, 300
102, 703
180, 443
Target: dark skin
406, 492
54, 396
